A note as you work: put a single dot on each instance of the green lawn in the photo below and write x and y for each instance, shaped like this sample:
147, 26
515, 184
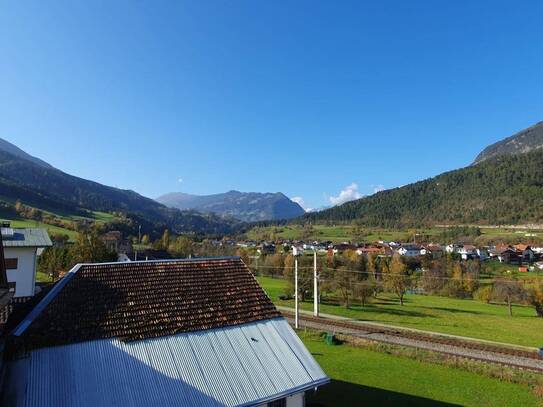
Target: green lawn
55, 230
42, 277
364, 377
438, 314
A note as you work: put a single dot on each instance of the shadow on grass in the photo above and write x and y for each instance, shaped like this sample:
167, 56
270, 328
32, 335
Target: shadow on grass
339, 393
456, 310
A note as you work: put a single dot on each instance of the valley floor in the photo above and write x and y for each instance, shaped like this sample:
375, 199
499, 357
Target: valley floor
437, 314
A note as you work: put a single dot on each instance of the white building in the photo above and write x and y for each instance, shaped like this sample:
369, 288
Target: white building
410, 251
21, 248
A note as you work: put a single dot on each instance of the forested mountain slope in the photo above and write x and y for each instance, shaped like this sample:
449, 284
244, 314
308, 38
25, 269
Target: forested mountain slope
522, 142
506, 189
51, 189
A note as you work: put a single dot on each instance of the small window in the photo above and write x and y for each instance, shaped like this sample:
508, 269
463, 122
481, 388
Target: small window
12, 264
11, 287
278, 403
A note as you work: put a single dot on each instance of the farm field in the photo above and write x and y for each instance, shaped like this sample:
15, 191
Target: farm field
365, 377
437, 314
342, 233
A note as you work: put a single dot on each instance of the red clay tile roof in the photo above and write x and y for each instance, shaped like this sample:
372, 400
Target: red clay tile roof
139, 300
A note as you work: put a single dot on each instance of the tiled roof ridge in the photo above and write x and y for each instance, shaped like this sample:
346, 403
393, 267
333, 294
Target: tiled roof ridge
153, 298
37, 310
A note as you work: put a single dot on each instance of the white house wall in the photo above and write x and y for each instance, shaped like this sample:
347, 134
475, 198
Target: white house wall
25, 275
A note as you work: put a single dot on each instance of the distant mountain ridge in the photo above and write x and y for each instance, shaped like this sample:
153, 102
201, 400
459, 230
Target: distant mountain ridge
245, 206
17, 152
522, 142
39, 185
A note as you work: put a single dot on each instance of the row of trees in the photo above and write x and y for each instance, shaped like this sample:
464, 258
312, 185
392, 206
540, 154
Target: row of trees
350, 277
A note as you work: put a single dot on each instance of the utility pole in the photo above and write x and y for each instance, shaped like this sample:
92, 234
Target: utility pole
296, 309
315, 286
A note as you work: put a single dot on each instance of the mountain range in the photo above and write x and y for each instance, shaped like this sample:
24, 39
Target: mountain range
245, 206
39, 185
504, 185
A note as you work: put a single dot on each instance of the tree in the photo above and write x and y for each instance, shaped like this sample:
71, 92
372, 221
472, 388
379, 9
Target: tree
397, 278
89, 248
273, 264
509, 291
364, 289
53, 261
165, 239
181, 246
145, 240
343, 283
536, 297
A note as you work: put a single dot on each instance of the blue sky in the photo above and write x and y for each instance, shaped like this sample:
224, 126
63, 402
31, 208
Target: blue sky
303, 97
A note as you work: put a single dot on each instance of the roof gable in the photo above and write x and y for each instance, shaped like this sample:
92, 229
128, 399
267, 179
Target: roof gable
140, 300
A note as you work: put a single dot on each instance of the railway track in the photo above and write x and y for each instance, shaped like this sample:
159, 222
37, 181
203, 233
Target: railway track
504, 355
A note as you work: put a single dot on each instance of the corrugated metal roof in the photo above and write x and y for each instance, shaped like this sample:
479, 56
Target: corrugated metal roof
235, 366
29, 237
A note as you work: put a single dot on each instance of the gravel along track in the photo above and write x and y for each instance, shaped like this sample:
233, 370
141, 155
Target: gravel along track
512, 357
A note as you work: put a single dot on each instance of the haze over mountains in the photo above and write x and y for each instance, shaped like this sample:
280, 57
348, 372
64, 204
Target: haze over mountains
245, 206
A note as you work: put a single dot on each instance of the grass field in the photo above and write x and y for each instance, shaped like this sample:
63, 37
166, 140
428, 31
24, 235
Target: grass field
101, 217
364, 377
438, 314
352, 233
26, 223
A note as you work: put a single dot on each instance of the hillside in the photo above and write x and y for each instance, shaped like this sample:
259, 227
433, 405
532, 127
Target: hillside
522, 142
245, 206
505, 189
50, 189
12, 149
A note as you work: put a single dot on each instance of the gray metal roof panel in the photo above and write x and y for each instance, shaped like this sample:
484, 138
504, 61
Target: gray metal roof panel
234, 366
28, 237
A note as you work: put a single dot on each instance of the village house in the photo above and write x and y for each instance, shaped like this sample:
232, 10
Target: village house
467, 251
526, 252
370, 250
114, 242
266, 248
182, 332
21, 249
433, 250
409, 250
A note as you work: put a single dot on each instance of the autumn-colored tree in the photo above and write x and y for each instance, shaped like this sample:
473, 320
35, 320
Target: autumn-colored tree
396, 278
89, 248
343, 283
364, 289
536, 297
181, 247
509, 291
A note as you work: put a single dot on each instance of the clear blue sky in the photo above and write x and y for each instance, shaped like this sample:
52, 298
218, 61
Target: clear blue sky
303, 97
